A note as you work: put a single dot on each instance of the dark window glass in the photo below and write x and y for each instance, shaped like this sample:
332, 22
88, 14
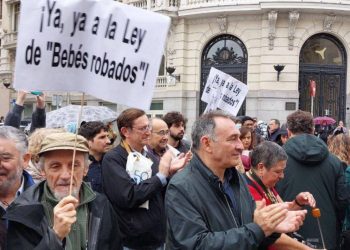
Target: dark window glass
225, 50
321, 50
161, 68
157, 105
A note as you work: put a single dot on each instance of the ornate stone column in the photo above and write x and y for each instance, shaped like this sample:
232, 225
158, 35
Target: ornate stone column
293, 20
272, 18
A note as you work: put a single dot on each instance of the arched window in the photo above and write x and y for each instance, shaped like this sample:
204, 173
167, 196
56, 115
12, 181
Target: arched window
224, 50
321, 50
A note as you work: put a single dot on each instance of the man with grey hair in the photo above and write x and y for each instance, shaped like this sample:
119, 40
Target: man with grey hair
208, 204
51, 215
274, 128
14, 157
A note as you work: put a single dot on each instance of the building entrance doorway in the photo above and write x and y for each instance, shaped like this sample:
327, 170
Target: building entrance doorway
323, 59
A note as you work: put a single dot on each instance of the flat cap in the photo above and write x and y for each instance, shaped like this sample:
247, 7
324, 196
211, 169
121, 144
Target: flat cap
63, 141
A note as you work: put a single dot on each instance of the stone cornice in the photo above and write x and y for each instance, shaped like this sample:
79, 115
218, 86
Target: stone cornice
252, 7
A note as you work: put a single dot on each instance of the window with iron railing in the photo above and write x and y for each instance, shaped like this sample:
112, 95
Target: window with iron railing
16, 11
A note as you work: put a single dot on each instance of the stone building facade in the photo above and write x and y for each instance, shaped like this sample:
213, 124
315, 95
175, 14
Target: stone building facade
249, 39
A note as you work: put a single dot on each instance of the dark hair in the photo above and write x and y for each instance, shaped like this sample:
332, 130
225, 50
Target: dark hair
300, 122
269, 153
174, 117
205, 125
127, 118
281, 133
276, 121
246, 118
244, 131
90, 129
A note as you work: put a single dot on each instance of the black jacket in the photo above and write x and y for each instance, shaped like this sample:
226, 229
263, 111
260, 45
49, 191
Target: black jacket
199, 215
140, 227
310, 167
29, 229
13, 118
273, 136
94, 175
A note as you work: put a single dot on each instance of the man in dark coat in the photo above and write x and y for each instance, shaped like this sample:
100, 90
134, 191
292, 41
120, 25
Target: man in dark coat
46, 216
208, 204
137, 197
311, 167
274, 128
14, 157
96, 133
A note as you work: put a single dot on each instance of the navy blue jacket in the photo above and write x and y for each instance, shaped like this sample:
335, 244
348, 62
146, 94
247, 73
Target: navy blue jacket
94, 175
28, 181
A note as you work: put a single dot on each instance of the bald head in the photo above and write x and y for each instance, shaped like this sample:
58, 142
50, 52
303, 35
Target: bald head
159, 136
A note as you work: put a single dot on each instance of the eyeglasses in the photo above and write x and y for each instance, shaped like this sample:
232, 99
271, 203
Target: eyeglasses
162, 132
144, 129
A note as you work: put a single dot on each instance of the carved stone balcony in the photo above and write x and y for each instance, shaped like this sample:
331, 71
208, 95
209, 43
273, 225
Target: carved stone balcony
10, 40
198, 7
164, 6
165, 81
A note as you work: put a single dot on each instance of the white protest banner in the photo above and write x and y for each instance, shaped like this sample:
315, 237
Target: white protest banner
224, 92
101, 47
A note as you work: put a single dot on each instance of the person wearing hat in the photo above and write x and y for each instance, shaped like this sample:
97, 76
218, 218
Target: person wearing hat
47, 216
282, 137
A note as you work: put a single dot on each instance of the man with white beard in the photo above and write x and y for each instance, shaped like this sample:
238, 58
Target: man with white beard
46, 216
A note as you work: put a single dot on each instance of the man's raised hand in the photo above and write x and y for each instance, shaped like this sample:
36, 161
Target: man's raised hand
64, 216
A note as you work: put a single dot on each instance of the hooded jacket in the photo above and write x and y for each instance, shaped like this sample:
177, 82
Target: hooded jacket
311, 167
29, 228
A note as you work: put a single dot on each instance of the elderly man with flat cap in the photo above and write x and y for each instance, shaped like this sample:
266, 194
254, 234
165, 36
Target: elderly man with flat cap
46, 216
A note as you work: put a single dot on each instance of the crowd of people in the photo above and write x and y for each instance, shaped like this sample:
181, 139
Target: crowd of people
238, 183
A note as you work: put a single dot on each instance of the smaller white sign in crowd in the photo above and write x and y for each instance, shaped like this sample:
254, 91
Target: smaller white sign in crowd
224, 92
